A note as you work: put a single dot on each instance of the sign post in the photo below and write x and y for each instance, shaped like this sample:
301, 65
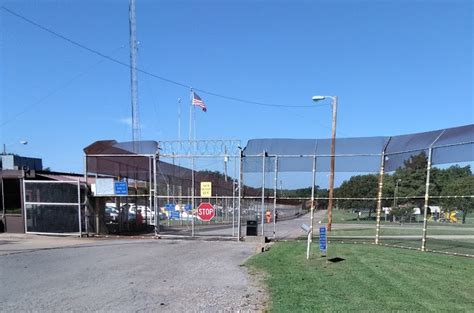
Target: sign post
206, 212
323, 241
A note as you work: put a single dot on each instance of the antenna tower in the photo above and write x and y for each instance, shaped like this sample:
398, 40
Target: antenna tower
133, 78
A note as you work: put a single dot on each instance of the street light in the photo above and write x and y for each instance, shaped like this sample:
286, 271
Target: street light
23, 142
395, 193
333, 152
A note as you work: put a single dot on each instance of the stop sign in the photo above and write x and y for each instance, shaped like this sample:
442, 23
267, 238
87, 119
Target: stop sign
206, 212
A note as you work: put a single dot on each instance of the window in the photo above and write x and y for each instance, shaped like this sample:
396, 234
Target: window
12, 196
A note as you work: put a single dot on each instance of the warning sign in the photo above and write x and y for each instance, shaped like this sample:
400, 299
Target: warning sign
206, 189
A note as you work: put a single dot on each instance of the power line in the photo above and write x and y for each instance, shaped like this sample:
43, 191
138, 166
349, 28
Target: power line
58, 89
82, 46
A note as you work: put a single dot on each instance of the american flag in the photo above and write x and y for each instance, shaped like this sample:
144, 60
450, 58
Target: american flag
197, 101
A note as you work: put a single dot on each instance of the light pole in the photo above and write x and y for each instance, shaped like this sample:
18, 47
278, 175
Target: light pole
333, 152
395, 193
395, 196
23, 142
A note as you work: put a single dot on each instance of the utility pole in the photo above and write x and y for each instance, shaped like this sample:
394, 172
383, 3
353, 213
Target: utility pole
133, 78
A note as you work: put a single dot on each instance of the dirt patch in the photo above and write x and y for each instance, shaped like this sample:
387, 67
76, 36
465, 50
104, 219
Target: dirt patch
258, 298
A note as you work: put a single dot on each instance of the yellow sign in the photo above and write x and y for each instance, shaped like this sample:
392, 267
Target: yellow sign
206, 189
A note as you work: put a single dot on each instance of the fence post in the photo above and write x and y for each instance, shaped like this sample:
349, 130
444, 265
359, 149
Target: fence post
311, 228
379, 194
86, 209
239, 223
149, 192
263, 191
233, 196
427, 193
275, 196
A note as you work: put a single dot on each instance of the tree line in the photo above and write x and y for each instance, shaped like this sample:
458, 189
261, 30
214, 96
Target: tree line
407, 183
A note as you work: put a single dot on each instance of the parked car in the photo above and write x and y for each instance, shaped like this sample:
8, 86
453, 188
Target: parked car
144, 211
111, 214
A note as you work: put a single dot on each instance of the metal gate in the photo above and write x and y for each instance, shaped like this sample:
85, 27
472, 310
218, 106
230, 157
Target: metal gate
54, 207
195, 174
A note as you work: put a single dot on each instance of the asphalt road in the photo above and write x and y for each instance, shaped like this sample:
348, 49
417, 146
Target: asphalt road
285, 229
127, 276
57, 274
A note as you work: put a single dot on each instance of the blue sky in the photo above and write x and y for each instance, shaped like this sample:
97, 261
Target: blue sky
397, 67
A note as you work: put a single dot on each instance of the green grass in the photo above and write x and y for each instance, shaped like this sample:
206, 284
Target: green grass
470, 220
401, 231
459, 246
347, 217
343, 216
371, 278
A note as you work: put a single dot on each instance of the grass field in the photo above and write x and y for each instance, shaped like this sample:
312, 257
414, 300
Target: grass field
401, 231
370, 278
344, 216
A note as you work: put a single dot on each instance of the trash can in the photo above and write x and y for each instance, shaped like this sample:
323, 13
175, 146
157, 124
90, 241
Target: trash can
252, 228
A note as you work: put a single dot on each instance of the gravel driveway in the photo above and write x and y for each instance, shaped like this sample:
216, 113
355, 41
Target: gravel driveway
131, 275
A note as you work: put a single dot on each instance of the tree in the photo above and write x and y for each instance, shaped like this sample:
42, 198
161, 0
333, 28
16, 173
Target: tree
412, 180
441, 178
416, 162
360, 186
461, 186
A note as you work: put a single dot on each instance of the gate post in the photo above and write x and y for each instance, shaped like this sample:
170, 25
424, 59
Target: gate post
86, 208
192, 196
155, 199
239, 216
79, 206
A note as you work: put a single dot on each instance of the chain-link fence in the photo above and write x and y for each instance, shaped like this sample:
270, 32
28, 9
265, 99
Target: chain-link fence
122, 199
165, 182
198, 187
410, 190
55, 207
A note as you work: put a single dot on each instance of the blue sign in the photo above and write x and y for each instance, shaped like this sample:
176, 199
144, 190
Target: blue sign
322, 239
174, 215
121, 188
188, 207
170, 207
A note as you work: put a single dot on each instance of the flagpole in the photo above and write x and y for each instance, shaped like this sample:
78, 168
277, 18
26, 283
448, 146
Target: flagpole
179, 119
194, 119
191, 114
179, 128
